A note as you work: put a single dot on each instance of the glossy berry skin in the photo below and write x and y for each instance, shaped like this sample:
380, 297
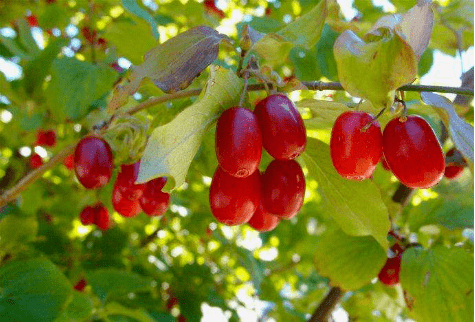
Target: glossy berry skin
389, 274
80, 285
46, 138
413, 152
126, 181
452, 171
101, 217
35, 161
355, 153
233, 200
124, 206
154, 202
283, 188
283, 132
238, 142
262, 220
93, 162
87, 215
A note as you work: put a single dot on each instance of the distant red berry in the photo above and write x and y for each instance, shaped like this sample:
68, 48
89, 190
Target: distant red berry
210, 7
181, 318
102, 42
87, 215
268, 11
50, 1
93, 162
80, 285
35, 161
171, 303
89, 35
452, 171
154, 202
69, 162
101, 216
46, 138
32, 20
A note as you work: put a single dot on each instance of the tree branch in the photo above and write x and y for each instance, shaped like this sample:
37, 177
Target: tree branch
324, 310
26, 181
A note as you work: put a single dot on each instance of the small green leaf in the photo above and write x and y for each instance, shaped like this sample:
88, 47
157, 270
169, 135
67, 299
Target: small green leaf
112, 282
460, 131
140, 315
79, 309
32, 290
55, 15
75, 85
356, 206
26, 38
438, 284
13, 47
171, 147
15, 229
133, 7
350, 262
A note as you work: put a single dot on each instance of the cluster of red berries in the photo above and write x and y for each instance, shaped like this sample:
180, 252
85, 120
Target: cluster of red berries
239, 193
97, 215
93, 165
409, 146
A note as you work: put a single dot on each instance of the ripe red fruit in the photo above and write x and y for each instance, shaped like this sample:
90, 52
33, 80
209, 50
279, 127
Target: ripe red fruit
46, 138
124, 206
238, 142
211, 8
32, 20
262, 220
283, 132
355, 153
69, 161
80, 285
171, 303
154, 202
283, 188
87, 215
233, 200
93, 162
413, 152
101, 216
452, 171
389, 274
384, 163
35, 161
126, 181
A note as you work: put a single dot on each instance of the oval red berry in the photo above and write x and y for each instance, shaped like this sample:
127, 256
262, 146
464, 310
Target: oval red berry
262, 220
238, 142
413, 152
154, 202
355, 153
93, 162
283, 132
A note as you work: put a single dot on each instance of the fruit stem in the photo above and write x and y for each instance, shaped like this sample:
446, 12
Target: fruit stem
367, 126
244, 90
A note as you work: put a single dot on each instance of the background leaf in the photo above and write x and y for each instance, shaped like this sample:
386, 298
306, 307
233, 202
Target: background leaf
133, 7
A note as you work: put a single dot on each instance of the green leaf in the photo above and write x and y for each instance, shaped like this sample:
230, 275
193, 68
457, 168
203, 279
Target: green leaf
112, 282
32, 290
12, 46
26, 38
305, 31
140, 315
325, 59
356, 206
460, 131
426, 61
79, 309
55, 15
350, 262
133, 7
374, 70
322, 113
15, 229
75, 85
438, 284
171, 147
123, 35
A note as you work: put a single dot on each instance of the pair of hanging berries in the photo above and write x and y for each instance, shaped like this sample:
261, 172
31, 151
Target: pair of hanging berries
97, 215
409, 145
238, 192
43, 138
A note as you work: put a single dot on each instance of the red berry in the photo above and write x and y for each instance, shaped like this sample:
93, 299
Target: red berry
88, 35
80, 285
124, 206
35, 161
233, 200
102, 42
262, 220
32, 20
171, 303
87, 215
384, 163
126, 181
355, 153
268, 11
238, 142
389, 274
413, 152
181, 318
211, 7
101, 216
282, 128
93, 162
46, 138
154, 202
69, 161
283, 188
452, 171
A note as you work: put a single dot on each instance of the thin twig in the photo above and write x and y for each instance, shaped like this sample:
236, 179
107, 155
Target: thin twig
325, 308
